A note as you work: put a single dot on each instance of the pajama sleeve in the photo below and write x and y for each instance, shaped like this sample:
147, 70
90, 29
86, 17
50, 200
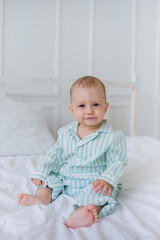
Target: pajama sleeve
116, 160
51, 162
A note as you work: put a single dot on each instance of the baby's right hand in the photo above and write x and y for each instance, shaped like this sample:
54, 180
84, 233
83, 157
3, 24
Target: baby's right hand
38, 182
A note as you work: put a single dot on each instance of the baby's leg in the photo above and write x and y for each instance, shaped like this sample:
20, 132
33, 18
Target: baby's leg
43, 196
83, 216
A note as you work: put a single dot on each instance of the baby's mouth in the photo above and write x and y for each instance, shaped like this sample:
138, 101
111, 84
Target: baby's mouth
90, 118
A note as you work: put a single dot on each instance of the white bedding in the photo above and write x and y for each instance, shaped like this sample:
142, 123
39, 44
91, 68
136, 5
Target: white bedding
136, 216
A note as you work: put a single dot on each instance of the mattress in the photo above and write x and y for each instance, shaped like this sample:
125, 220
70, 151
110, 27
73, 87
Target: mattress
136, 215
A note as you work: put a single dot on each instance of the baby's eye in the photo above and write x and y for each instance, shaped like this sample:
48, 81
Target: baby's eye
96, 104
81, 106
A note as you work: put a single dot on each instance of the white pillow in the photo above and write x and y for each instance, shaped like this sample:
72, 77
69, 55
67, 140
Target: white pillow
23, 130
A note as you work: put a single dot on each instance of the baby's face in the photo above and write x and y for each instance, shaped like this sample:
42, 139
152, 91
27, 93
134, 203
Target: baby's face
88, 105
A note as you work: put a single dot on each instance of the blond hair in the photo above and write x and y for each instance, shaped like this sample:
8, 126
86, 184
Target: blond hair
88, 82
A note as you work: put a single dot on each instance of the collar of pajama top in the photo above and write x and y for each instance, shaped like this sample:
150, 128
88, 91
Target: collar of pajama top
105, 128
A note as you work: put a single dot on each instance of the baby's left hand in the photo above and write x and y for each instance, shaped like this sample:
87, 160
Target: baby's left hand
99, 183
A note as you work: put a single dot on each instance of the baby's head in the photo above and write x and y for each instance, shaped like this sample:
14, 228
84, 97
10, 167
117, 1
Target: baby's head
88, 101
88, 82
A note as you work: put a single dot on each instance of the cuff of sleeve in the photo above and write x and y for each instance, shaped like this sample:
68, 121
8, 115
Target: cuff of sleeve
40, 176
109, 180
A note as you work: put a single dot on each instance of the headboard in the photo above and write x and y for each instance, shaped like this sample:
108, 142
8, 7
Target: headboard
122, 103
122, 95
2, 90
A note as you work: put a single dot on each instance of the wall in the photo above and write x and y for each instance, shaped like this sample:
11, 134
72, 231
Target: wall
46, 44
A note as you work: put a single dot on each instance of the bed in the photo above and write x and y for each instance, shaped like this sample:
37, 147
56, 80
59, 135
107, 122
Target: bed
23, 142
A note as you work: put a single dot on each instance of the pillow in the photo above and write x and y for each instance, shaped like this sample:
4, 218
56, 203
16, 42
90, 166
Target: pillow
23, 130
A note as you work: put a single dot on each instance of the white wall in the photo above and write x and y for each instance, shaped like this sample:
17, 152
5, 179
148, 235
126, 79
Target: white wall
46, 44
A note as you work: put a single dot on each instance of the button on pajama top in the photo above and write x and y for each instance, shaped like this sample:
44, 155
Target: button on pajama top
73, 164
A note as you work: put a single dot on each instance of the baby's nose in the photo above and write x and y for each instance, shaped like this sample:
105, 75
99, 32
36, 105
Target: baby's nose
89, 110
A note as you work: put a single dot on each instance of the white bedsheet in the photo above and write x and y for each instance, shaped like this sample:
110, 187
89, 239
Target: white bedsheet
136, 216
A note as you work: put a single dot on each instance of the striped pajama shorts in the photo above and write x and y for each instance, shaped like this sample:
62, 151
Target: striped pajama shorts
81, 190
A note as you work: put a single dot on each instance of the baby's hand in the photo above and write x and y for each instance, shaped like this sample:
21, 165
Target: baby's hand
99, 183
37, 182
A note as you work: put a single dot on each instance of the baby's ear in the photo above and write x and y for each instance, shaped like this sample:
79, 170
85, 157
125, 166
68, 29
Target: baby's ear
107, 105
71, 108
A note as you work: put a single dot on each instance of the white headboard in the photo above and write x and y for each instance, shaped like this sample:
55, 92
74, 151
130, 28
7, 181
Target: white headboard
121, 97
2, 90
115, 100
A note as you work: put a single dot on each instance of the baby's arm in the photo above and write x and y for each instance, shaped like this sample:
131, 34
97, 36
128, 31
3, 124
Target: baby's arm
50, 163
116, 160
102, 184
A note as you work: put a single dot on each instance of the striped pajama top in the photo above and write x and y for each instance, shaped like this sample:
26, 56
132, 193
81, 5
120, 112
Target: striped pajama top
100, 155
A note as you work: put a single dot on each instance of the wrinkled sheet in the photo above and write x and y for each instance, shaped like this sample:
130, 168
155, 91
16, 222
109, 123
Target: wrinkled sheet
136, 216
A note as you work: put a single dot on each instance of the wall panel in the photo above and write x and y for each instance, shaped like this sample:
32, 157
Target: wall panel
158, 121
158, 51
113, 39
74, 38
29, 41
1, 37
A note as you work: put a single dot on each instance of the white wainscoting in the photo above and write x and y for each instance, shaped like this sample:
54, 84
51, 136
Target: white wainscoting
46, 45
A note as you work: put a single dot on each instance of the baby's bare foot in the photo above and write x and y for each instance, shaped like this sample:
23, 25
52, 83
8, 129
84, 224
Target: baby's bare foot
28, 200
82, 217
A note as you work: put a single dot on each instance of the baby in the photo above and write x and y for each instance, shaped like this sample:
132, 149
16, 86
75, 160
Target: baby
87, 160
